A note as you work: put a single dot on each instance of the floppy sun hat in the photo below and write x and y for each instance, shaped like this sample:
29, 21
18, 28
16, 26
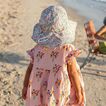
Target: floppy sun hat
54, 28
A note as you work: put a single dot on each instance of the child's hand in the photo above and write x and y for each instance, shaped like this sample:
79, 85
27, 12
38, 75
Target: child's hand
79, 96
24, 92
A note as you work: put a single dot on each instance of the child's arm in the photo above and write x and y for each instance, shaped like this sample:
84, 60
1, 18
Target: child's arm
27, 75
73, 74
26, 80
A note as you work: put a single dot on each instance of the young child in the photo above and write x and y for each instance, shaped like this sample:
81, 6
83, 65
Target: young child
53, 76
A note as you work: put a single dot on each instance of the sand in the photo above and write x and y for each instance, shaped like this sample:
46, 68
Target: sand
17, 20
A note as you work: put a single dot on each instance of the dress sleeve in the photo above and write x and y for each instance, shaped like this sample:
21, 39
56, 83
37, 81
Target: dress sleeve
30, 52
70, 52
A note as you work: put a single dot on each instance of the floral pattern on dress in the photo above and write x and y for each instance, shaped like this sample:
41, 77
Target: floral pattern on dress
56, 68
39, 55
50, 85
48, 71
58, 82
44, 85
35, 93
54, 54
38, 73
49, 93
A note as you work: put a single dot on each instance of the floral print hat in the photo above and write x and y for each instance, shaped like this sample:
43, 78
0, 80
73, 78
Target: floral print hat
54, 28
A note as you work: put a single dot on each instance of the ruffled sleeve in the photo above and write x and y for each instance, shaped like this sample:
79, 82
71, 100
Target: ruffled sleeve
70, 52
30, 52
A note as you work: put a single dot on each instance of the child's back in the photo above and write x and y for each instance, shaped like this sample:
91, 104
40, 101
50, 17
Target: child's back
49, 71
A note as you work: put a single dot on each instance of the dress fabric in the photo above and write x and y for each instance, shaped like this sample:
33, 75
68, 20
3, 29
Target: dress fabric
49, 83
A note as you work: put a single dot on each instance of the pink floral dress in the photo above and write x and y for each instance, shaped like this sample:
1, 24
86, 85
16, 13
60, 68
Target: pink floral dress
49, 83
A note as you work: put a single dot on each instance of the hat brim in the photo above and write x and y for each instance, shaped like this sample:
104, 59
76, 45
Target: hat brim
68, 34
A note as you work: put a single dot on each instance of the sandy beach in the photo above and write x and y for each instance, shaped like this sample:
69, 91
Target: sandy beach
17, 20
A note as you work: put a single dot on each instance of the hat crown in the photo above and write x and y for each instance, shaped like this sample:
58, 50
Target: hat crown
52, 14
